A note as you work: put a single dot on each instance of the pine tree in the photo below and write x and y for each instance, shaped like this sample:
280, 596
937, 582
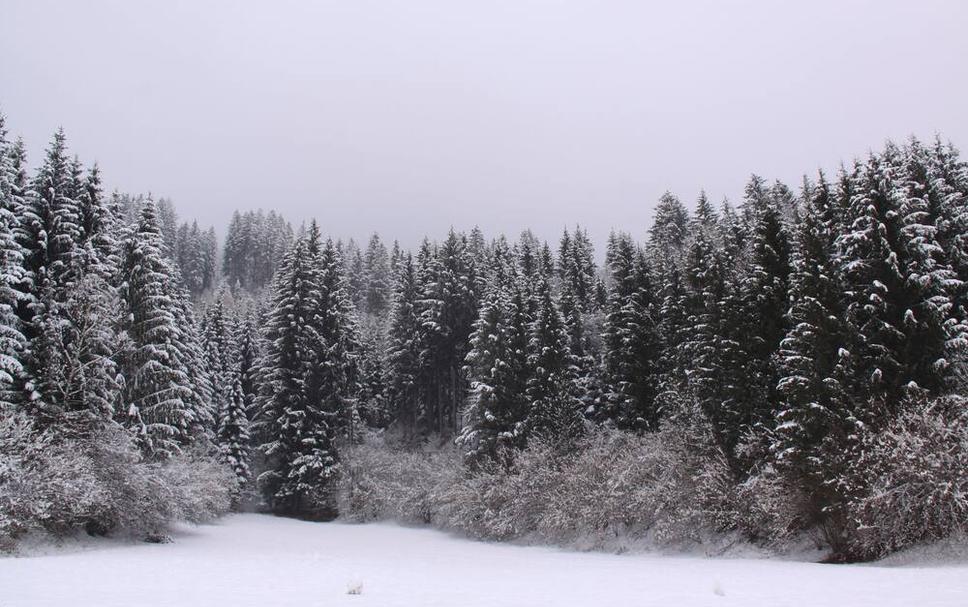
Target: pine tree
497, 366
374, 402
50, 241
447, 310
705, 217
814, 420
12, 340
631, 339
219, 354
576, 268
338, 330
377, 271
167, 222
553, 412
764, 300
161, 401
670, 226
306, 381
245, 336
404, 355
356, 274
710, 361
899, 288
233, 432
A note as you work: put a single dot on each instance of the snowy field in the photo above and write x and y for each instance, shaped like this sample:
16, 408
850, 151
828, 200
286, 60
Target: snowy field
253, 560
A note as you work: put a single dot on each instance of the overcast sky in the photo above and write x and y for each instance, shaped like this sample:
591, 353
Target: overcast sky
410, 116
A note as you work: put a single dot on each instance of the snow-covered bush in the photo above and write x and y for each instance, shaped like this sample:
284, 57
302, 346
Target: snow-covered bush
100, 484
911, 479
379, 482
610, 485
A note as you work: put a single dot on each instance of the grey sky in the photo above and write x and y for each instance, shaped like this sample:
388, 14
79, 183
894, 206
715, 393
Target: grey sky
409, 116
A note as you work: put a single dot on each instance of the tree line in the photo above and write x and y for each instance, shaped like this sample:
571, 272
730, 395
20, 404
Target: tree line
781, 331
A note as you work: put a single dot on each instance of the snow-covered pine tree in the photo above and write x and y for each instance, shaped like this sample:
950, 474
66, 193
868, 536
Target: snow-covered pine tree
99, 223
527, 252
705, 217
554, 414
189, 343
373, 399
670, 225
396, 255
12, 340
576, 267
631, 338
404, 352
814, 419
233, 432
234, 252
946, 177
377, 270
290, 339
709, 361
898, 288
219, 353
586, 357
167, 222
190, 257
306, 372
160, 400
477, 247
497, 367
245, 336
447, 307
338, 330
355, 274
50, 241
765, 300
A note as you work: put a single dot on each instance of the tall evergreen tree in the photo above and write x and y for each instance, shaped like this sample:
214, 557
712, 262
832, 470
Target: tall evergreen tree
554, 412
631, 339
12, 340
404, 355
163, 404
814, 420
497, 366
307, 374
377, 270
233, 432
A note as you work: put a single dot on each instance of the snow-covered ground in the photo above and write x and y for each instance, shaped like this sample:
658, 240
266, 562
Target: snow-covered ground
265, 562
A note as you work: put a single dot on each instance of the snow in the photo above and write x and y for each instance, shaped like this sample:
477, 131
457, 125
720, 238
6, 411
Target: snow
256, 560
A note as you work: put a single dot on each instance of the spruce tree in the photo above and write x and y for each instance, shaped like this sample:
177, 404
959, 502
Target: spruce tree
404, 355
377, 270
710, 360
161, 401
307, 372
497, 369
219, 354
553, 411
233, 432
12, 340
814, 419
631, 339
764, 300
670, 226
899, 289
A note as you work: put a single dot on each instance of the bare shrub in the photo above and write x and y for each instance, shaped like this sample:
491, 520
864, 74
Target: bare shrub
910, 482
100, 484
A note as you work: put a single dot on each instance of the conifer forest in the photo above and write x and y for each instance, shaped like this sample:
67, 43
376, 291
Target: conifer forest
518, 303
790, 365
